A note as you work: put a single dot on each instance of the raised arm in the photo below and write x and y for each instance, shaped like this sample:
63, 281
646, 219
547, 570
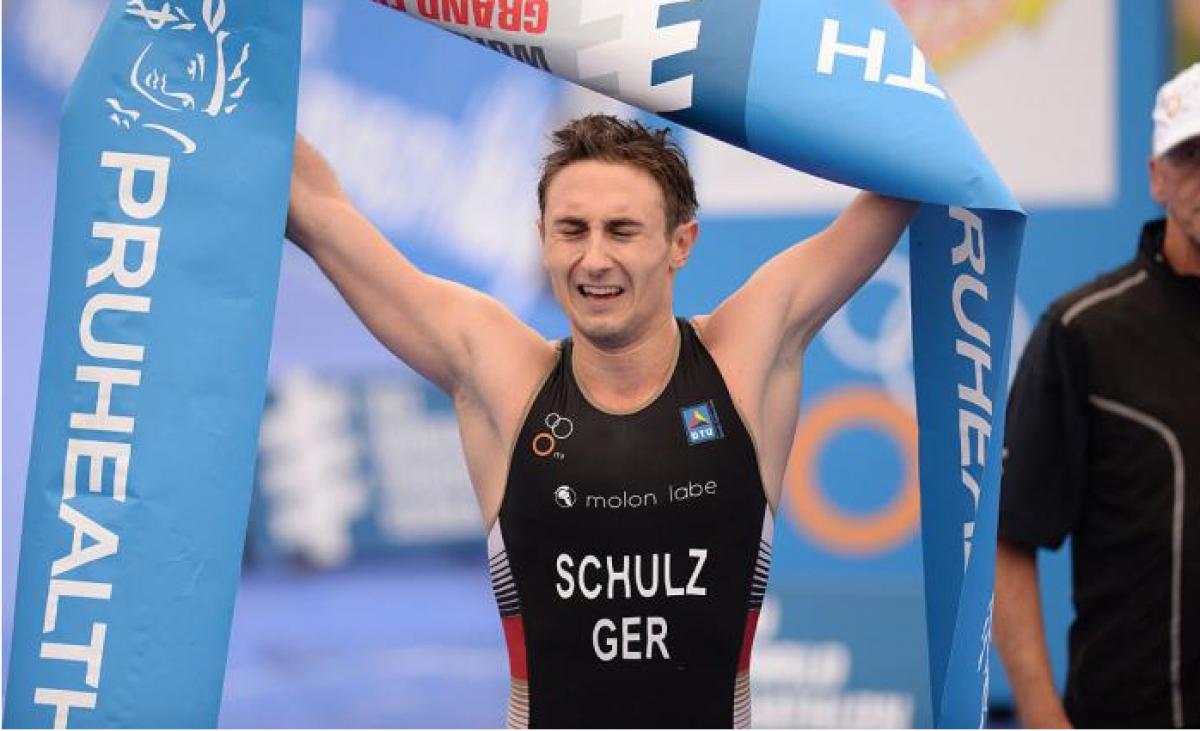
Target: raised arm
438, 327
800, 288
793, 294
843, 258
758, 335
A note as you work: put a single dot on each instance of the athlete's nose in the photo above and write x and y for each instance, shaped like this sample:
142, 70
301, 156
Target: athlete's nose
596, 257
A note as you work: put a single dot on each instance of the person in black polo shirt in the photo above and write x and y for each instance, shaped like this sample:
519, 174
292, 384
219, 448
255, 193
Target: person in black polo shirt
1103, 444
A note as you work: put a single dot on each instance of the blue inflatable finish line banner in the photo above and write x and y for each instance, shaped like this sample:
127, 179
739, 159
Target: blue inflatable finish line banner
173, 177
839, 90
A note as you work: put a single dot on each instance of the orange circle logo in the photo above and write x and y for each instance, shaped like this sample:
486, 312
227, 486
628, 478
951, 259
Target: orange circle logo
819, 518
543, 444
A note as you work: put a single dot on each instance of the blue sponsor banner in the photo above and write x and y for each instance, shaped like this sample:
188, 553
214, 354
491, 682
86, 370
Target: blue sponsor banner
961, 369
174, 164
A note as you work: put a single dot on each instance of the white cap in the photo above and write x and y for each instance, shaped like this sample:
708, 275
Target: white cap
1177, 110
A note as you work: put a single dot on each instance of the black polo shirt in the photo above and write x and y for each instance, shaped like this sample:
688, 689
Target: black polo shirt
1103, 443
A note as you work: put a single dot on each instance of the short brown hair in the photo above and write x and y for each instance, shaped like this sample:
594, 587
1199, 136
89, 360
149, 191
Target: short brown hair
608, 139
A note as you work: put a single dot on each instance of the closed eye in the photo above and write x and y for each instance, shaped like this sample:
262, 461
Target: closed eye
570, 228
624, 229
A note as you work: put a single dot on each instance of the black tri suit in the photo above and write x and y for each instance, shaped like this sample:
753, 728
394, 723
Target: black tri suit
630, 555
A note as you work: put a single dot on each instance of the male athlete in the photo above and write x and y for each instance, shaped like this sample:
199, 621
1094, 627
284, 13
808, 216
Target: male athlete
627, 475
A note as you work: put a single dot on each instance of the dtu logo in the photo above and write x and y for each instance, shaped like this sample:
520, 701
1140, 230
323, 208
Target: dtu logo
700, 423
212, 83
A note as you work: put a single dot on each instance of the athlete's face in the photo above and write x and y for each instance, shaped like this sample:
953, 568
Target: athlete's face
1175, 184
608, 252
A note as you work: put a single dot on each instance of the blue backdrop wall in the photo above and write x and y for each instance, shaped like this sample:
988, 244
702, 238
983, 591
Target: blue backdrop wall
438, 139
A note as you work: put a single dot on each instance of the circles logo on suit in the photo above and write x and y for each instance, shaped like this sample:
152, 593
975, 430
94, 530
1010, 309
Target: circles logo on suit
545, 442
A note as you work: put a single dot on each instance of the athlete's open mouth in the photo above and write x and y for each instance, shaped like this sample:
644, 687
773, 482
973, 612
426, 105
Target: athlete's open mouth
607, 292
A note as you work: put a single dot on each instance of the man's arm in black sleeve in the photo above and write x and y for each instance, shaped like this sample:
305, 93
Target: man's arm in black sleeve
1045, 440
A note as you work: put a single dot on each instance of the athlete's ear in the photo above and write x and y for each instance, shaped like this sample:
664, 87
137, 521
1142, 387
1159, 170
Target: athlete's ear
541, 230
682, 242
1157, 187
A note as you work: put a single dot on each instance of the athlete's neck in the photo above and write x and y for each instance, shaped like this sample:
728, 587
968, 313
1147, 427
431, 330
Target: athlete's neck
626, 378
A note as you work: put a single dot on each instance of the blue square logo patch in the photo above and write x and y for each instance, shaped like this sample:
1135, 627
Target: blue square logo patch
700, 423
